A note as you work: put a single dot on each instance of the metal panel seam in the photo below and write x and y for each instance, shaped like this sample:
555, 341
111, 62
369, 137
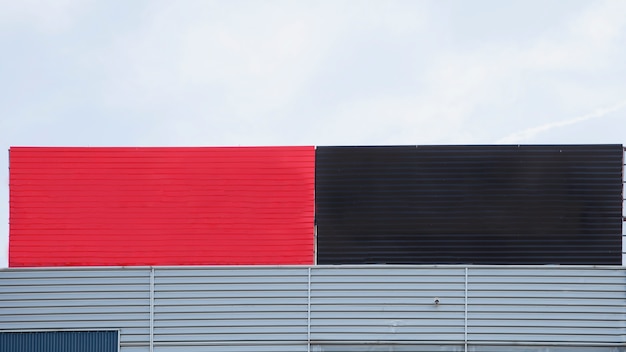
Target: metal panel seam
622, 196
308, 313
465, 309
152, 309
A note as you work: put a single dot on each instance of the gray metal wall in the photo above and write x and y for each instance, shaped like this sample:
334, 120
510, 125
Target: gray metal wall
387, 303
325, 308
230, 309
78, 299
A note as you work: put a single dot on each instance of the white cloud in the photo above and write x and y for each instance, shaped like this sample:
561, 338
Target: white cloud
44, 16
499, 81
258, 59
530, 133
586, 42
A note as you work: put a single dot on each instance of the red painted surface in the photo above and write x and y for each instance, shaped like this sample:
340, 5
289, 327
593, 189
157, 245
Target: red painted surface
161, 206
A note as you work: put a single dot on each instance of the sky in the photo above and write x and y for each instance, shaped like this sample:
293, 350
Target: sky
250, 73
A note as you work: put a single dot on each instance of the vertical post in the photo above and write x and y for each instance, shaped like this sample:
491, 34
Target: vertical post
308, 314
151, 309
315, 244
465, 309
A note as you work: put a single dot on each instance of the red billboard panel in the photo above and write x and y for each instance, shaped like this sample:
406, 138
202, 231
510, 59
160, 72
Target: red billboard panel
161, 206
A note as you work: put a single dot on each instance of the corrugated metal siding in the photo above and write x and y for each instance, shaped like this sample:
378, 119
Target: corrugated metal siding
59, 341
546, 304
234, 309
245, 309
461, 348
390, 304
557, 204
161, 206
95, 299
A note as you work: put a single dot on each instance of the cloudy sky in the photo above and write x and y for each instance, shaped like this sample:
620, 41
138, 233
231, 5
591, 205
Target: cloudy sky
206, 73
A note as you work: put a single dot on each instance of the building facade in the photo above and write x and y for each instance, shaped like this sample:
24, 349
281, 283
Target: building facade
327, 249
324, 308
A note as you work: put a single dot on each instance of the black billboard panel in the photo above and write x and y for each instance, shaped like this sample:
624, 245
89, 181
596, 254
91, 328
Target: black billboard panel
530, 204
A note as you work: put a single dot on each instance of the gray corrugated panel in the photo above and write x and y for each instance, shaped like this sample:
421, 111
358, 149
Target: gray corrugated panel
388, 348
234, 309
59, 341
565, 305
386, 303
244, 309
77, 298
545, 349
299, 347
135, 349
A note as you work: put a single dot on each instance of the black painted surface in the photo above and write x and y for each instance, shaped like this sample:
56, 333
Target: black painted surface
469, 204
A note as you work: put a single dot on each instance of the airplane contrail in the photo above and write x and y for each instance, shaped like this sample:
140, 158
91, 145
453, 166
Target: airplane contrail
529, 133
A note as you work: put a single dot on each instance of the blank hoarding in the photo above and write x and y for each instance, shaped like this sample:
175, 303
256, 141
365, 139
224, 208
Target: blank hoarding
161, 206
534, 204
